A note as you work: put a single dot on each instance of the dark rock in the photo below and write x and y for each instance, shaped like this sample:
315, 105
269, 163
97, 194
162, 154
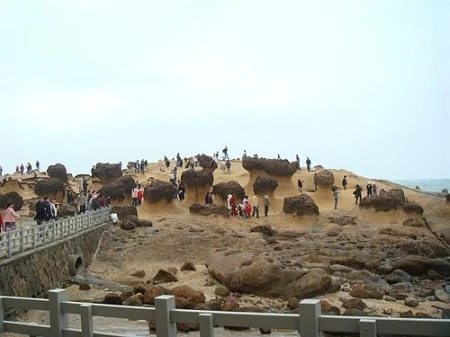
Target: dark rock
264, 229
400, 296
341, 268
301, 205
207, 162
363, 291
127, 225
124, 211
328, 309
432, 275
390, 299
325, 178
105, 171
187, 297
292, 303
66, 210
384, 269
163, 276
138, 222
444, 191
188, 327
385, 202
343, 220
447, 197
407, 314
230, 187
11, 197
119, 189
188, 265
391, 279
140, 289
222, 291
84, 286
192, 178
212, 305
209, 209
355, 312
419, 266
272, 167
411, 302
159, 191
48, 187
112, 298
153, 291
414, 223
265, 331
354, 303
126, 295
412, 208
264, 184
139, 273
57, 171
403, 275
134, 301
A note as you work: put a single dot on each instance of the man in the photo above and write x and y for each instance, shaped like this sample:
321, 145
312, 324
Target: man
1, 170
266, 205
255, 206
344, 182
358, 194
308, 164
85, 186
316, 179
300, 186
134, 196
81, 202
336, 192
38, 165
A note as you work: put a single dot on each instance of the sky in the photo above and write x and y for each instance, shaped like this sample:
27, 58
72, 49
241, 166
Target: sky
360, 85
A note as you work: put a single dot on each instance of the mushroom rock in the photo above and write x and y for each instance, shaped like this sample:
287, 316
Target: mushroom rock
52, 188
159, 191
207, 162
119, 190
325, 182
107, 172
57, 171
197, 184
222, 190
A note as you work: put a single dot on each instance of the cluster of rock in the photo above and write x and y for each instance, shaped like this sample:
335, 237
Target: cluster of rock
272, 167
128, 218
208, 209
57, 171
196, 184
159, 191
300, 205
13, 197
119, 189
107, 171
207, 162
389, 201
265, 184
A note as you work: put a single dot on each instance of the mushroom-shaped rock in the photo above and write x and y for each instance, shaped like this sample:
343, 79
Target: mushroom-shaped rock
159, 191
119, 189
49, 187
265, 184
57, 171
11, 197
301, 205
107, 171
325, 178
207, 162
230, 187
196, 183
387, 201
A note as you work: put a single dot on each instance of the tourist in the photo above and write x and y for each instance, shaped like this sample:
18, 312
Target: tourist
48, 209
336, 192
316, 180
28, 168
101, 200
94, 201
69, 196
244, 155
93, 170
225, 152
278, 157
374, 190
22, 169
172, 178
266, 205
1, 170
245, 199
17, 169
369, 189
234, 210
140, 196
344, 183
228, 166
297, 159
247, 209
40, 211
300, 186
308, 164
255, 206
54, 214
10, 217
358, 194
81, 202
134, 196
35, 173
38, 166
2, 225
181, 191
85, 186
208, 198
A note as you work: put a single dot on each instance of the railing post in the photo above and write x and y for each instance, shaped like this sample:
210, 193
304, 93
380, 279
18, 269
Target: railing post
310, 310
367, 328
22, 240
9, 243
34, 237
2, 316
54, 232
164, 326
87, 323
58, 320
206, 325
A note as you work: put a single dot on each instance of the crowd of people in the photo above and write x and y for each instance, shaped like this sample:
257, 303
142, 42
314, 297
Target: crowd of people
25, 169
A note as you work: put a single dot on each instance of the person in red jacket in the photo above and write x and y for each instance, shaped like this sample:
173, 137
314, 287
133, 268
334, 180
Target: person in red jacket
247, 209
2, 228
139, 195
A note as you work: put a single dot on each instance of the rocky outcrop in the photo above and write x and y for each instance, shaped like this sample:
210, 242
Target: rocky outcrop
207, 162
13, 197
209, 209
67, 210
164, 276
124, 211
325, 178
300, 205
392, 200
265, 184
419, 266
413, 208
49, 187
107, 171
232, 187
131, 222
159, 191
57, 171
272, 167
197, 184
120, 189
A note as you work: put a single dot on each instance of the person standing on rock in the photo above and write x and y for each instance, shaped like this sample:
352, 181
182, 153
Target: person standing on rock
308, 164
266, 205
369, 189
358, 194
10, 217
297, 159
85, 186
244, 155
255, 204
22, 169
181, 191
336, 193
38, 166
81, 202
344, 183
374, 190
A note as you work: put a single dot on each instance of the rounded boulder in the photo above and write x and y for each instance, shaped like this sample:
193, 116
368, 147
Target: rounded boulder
301, 205
58, 171
159, 191
265, 184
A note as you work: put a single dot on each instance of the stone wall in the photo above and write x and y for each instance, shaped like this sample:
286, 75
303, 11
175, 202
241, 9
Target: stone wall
33, 273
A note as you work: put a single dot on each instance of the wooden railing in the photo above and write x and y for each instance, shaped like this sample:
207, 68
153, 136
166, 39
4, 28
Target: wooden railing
309, 322
35, 236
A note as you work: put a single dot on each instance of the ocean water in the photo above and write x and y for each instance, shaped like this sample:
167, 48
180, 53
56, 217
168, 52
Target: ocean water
430, 185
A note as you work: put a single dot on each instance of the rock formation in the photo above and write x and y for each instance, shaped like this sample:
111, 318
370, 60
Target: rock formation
209, 209
57, 171
207, 162
222, 190
13, 197
265, 184
159, 191
120, 189
389, 201
197, 184
281, 170
107, 172
52, 188
300, 205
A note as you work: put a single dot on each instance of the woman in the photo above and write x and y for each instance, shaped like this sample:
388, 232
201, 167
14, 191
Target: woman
10, 217
2, 229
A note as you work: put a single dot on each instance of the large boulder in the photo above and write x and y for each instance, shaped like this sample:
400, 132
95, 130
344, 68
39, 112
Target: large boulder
413, 208
209, 209
265, 184
301, 205
124, 211
119, 189
325, 178
107, 171
272, 167
57, 171
314, 283
386, 201
230, 187
187, 297
13, 197
192, 178
48, 187
207, 162
67, 210
419, 266
159, 191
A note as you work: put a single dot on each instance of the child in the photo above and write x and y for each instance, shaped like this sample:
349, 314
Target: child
247, 209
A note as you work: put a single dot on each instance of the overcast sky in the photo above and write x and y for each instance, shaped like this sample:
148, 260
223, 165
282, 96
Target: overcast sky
352, 84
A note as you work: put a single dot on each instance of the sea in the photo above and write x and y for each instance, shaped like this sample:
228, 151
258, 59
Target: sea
429, 185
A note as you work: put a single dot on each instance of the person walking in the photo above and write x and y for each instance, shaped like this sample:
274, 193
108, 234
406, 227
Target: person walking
358, 194
344, 183
374, 190
247, 210
308, 164
22, 169
228, 167
140, 196
134, 196
81, 202
266, 205
10, 217
255, 205
54, 210
300, 186
369, 189
336, 192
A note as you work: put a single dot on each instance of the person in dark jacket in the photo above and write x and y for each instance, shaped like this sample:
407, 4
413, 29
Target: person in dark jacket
358, 194
344, 183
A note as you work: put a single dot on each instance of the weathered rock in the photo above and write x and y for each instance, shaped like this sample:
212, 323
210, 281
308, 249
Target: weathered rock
119, 189
265, 184
105, 171
412, 208
386, 201
188, 265
230, 187
135, 301
57, 171
172, 270
48, 187
441, 294
222, 291
339, 267
193, 178
212, 305
293, 303
209, 209
11, 197
325, 178
138, 222
390, 299
66, 210
126, 295
312, 284
355, 312
187, 297
368, 278
139, 273
391, 279
414, 223
153, 291
433, 275
418, 266
328, 309
444, 191
366, 292
343, 220
354, 303
301, 205
264, 229
163, 276
127, 225
384, 269
112, 298
84, 286
272, 167
207, 162
124, 211
403, 275
411, 302
159, 191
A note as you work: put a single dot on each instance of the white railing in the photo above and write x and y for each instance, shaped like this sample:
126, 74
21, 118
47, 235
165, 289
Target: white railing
309, 322
32, 237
